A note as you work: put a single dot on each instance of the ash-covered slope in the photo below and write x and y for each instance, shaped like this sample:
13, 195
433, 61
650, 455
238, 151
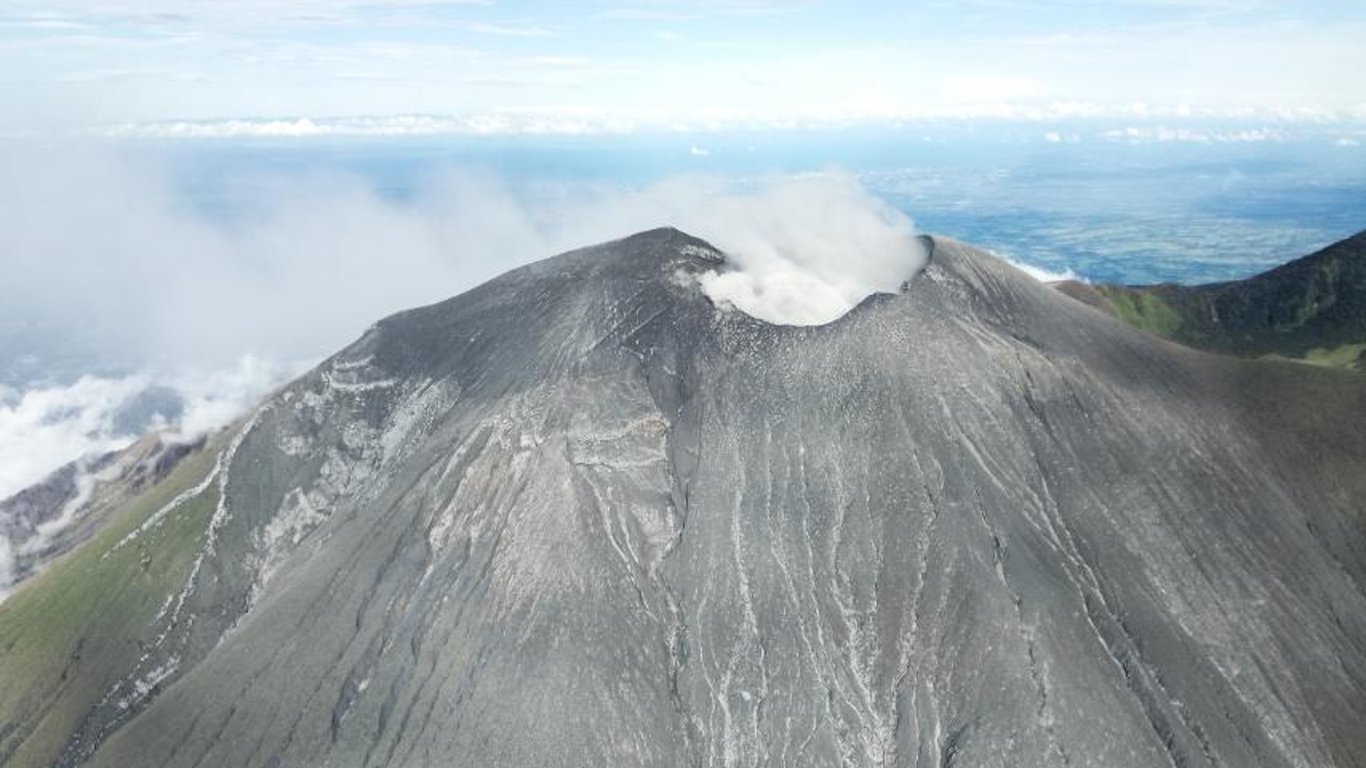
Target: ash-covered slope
580, 516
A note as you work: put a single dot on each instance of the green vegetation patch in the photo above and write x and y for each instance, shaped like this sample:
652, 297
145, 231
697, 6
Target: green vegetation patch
1347, 356
75, 630
1144, 310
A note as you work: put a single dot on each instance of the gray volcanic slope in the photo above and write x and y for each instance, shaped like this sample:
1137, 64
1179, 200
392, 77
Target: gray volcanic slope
580, 516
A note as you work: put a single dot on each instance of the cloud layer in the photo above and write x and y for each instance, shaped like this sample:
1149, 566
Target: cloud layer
1069, 121
43, 429
108, 252
79, 63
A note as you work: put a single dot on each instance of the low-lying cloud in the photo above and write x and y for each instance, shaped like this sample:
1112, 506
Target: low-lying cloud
1042, 274
44, 428
108, 254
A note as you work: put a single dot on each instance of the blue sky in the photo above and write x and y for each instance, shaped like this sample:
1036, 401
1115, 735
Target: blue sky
74, 63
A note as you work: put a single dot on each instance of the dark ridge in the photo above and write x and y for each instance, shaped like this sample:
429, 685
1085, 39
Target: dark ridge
1313, 307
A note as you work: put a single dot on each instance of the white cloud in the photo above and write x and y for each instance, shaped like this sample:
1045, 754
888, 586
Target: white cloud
646, 14
1176, 123
1147, 134
155, 14
213, 399
109, 247
512, 122
6, 567
988, 89
47, 428
97, 62
1042, 274
106, 247
508, 30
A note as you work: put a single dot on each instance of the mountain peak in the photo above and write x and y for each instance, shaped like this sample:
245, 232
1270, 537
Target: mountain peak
584, 515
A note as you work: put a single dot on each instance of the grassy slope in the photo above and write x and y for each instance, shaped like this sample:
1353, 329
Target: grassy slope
69, 634
1312, 309
1144, 310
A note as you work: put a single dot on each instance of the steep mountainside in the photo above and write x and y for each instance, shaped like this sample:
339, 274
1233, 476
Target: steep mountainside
581, 516
1313, 307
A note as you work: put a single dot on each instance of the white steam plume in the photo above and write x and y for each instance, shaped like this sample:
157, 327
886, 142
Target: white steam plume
802, 250
808, 251
106, 246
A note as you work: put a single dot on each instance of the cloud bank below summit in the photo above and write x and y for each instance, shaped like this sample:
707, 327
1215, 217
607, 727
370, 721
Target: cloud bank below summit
44, 428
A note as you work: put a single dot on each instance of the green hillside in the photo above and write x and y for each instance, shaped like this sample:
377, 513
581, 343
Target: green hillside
1311, 309
72, 633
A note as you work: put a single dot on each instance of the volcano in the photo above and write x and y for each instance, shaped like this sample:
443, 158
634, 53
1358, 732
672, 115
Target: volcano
582, 515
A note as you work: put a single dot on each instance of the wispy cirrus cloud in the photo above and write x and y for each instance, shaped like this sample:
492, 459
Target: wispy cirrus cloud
84, 62
508, 30
140, 14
